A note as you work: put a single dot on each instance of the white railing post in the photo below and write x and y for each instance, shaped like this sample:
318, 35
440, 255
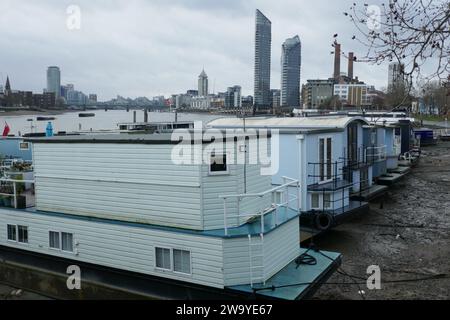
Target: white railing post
238, 210
298, 196
15, 195
225, 215
262, 216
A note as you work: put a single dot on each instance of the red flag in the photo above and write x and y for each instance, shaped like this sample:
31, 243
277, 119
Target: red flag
6, 130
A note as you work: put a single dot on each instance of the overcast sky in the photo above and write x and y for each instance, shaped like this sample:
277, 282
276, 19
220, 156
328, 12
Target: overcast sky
153, 47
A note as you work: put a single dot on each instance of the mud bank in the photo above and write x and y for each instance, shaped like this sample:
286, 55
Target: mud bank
407, 234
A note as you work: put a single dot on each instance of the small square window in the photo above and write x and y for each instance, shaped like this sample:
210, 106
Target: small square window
23, 234
67, 241
218, 164
12, 232
54, 240
163, 258
24, 146
182, 261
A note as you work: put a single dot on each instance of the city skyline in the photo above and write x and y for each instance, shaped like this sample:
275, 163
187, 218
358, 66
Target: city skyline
163, 62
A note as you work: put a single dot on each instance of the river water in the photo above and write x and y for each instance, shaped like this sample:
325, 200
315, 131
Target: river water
103, 120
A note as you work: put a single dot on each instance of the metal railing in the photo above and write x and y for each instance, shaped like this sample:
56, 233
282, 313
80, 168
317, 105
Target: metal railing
331, 172
285, 201
377, 153
13, 184
354, 160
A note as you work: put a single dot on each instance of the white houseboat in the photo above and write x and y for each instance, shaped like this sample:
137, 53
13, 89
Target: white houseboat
120, 202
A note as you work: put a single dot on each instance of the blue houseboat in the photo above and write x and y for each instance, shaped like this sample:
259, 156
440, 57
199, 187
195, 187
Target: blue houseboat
326, 154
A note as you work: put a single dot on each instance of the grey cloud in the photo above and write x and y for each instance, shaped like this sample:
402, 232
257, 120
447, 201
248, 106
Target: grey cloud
136, 48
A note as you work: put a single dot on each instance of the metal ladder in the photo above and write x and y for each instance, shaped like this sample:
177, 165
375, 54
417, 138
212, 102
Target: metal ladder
254, 253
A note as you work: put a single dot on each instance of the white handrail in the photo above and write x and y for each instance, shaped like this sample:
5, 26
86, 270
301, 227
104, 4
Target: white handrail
261, 194
264, 211
14, 194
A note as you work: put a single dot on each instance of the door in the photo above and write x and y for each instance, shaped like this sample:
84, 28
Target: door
325, 159
352, 144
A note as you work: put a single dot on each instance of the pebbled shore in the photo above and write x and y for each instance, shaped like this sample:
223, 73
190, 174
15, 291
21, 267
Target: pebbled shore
408, 236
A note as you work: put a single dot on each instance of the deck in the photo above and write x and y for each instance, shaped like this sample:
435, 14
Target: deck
272, 220
295, 282
390, 178
371, 193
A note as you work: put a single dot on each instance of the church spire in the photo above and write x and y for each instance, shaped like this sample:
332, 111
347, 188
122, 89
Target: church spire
7, 86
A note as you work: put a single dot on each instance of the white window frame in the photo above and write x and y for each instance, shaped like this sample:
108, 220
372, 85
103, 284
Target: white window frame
170, 257
24, 149
172, 267
325, 138
322, 204
60, 241
73, 242
219, 173
28, 233
173, 261
15, 228
329, 204
315, 208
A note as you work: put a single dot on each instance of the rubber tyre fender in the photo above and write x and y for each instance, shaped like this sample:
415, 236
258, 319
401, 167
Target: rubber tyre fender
324, 217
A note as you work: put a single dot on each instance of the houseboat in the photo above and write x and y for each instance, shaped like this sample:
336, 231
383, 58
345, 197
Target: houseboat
326, 154
154, 127
15, 148
121, 204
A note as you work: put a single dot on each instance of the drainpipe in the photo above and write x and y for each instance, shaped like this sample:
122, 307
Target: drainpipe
302, 170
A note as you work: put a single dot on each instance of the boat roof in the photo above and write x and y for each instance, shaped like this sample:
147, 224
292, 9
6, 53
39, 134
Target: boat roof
131, 138
293, 123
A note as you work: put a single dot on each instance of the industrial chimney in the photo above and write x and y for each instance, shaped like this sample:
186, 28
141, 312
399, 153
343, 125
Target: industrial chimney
351, 58
337, 60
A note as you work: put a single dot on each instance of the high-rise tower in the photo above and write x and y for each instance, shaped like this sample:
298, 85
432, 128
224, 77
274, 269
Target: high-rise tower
290, 72
54, 81
203, 84
263, 42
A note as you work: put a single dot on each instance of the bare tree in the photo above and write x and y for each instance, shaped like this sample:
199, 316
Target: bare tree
435, 97
411, 32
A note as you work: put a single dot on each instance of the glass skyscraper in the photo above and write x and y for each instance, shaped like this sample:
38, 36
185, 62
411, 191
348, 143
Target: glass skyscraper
263, 42
290, 72
54, 81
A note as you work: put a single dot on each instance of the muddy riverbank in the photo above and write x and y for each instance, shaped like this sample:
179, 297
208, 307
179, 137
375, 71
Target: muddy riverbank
407, 234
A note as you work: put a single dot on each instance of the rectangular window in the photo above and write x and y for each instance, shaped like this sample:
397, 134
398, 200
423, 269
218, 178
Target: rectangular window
54, 240
12, 232
163, 258
218, 164
182, 261
23, 234
67, 242
315, 201
327, 201
24, 146
322, 159
325, 159
329, 159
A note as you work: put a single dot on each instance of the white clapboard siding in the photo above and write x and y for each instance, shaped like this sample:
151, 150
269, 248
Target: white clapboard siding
117, 245
281, 246
130, 182
232, 184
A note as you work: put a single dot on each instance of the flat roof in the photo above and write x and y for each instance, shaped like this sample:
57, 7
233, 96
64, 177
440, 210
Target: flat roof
293, 123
